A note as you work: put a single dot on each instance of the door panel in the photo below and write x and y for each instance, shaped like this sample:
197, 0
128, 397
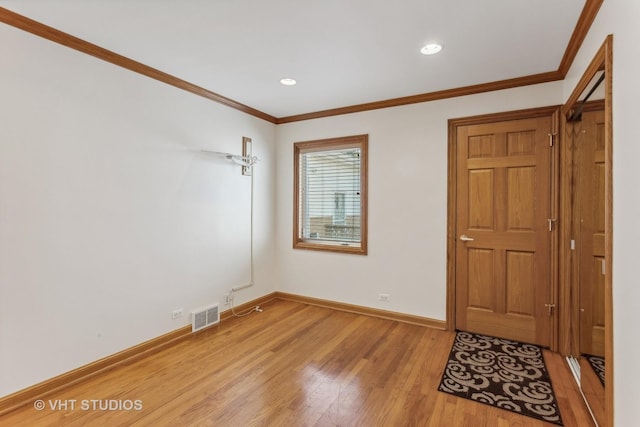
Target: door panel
480, 281
519, 284
481, 182
503, 187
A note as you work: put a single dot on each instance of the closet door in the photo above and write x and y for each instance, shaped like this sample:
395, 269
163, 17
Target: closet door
590, 205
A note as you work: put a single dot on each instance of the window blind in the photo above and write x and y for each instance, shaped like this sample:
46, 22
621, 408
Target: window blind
330, 195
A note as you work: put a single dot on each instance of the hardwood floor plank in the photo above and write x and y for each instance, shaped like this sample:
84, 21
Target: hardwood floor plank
294, 365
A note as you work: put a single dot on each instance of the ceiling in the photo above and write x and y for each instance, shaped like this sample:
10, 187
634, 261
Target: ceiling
341, 52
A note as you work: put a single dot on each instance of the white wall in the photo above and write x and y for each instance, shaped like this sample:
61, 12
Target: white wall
110, 218
407, 203
620, 18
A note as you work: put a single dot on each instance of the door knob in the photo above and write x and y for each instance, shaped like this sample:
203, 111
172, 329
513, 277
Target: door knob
466, 238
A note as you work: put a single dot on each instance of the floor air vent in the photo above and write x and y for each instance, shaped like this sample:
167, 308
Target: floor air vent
204, 318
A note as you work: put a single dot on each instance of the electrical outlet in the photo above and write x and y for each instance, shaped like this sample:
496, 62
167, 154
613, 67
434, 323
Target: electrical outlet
383, 297
175, 314
227, 299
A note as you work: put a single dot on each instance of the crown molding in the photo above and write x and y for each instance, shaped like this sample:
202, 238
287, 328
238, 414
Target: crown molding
587, 16
65, 39
431, 96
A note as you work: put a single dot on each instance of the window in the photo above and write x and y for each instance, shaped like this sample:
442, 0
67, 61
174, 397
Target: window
330, 195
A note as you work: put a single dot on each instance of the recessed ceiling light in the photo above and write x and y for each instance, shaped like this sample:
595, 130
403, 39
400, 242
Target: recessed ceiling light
431, 49
288, 81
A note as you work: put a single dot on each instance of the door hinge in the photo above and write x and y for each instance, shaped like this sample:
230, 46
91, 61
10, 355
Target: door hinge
552, 223
550, 307
551, 136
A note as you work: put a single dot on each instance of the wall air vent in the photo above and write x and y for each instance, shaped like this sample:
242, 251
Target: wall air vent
205, 317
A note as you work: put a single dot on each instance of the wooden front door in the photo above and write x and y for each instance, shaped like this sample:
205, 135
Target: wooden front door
503, 239
590, 205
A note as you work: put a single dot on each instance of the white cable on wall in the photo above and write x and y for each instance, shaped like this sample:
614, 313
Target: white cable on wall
233, 290
248, 162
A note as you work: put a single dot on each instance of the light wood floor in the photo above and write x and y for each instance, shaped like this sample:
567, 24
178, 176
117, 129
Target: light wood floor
294, 365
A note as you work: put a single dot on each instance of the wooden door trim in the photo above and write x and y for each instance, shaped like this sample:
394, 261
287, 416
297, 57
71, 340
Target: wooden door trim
608, 236
454, 124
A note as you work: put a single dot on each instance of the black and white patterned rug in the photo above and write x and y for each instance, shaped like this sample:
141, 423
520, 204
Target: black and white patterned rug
502, 373
597, 363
